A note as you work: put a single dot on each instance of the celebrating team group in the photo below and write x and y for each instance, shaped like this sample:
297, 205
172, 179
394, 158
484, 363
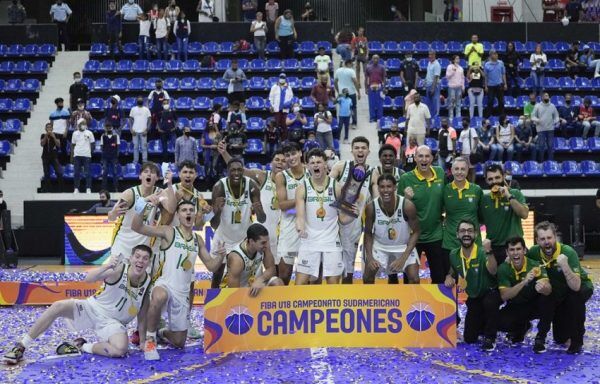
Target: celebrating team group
310, 213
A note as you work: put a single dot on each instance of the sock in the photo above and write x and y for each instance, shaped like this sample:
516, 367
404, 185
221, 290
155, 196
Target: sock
151, 335
161, 332
87, 347
26, 340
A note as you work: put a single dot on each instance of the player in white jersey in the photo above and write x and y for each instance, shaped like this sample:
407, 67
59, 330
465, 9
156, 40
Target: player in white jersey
235, 197
107, 312
179, 248
286, 184
391, 234
124, 238
250, 264
268, 195
350, 234
317, 223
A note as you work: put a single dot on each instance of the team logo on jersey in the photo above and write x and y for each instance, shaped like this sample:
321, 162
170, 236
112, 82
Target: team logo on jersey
470, 199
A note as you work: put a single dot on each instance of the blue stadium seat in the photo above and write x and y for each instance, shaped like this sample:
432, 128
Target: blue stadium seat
243, 64
293, 82
226, 47
438, 46
131, 171
7, 66
253, 166
124, 149
124, 66
594, 144
191, 65
291, 65
151, 83
388, 103
272, 47
173, 65
257, 83
391, 47
130, 49
590, 168
514, 167
157, 66
97, 146
487, 46
326, 45
406, 46
307, 64
137, 84
47, 50
577, 144
2, 85
432, 143
22, 67
271, 81
551, 168
557, 100
519, 47
221, 100
562, 47
194, 47
202, 103
13, 85
525, 65
499, 46
189, 83
154, 147
454, 47
596, 82
99, 49
583, 84
255, 124
555, 65
395, 83
22, 105
509, 102
307, 82
39, 67
530, 46
254, 146
69, 172
398, 102
550, 83
521, 101
108, 66
375, 46
308, 47
120, 84
102, 84
548, 47
423, 64
12, 126
95, 104
221, 84
222, 65
140, 66
127, 104
385, 123
273, 65
422, 47
393, 65
198, 124
210, 47
257, 65
566, 84
532, 169
30, 50
571, 168
561, 145
255, 103
307, 104
183, 122
184, 104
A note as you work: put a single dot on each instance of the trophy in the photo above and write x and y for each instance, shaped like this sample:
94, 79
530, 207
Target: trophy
351, 190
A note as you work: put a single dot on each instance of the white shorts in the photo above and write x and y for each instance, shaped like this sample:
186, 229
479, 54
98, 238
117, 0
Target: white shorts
85, 317
350, 237
177, 308
309, 262
387, 258
287, 248
228, 246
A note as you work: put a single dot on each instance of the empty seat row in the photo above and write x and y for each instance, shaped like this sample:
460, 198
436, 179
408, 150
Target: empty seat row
6, 148
11, 126
18, 85
17, 105
29, 50
10, 67
551, 168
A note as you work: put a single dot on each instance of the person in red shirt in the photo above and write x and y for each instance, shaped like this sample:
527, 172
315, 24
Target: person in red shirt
360, 48
587, 119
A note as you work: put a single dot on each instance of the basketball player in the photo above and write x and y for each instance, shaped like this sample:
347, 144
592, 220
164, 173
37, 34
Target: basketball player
268, 195
391, 234
317, 223
286, 184
246, 261
178, 250
350, 234
234, 199
107, 312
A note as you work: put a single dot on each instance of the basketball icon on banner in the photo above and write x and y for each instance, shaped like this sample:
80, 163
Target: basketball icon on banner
239, 320
420, 317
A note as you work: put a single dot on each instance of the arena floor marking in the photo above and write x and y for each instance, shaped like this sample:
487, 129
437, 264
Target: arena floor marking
321, 369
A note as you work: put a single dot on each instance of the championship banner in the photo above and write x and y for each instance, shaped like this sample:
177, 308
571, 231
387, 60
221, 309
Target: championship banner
373, 316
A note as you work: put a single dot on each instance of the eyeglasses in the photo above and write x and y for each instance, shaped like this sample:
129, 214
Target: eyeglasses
466, 231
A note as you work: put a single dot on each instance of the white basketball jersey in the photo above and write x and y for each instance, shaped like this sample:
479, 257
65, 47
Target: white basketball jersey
268, 199
236, 215
119, 301
287, 224
125, 238
252, 267
196, 200
390, 233
176, 263
321, 219
395, 173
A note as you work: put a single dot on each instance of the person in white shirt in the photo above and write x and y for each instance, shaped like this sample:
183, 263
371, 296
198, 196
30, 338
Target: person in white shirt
161, 27
322, 62
345, 77
206, 11
538, 62
281, 91
323, 120
417, 120
259, 29
469, 140
144, 37
82, 142
140, 118
131, 11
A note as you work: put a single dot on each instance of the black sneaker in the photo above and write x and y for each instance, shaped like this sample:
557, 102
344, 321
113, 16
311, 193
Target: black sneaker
516, 339
488, 345
575, 349
539, 346
78, 342
67, 349
15, 355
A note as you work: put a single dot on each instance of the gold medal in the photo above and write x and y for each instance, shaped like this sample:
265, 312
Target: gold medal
536, 271
391, 233
274, 203
462, 283
132, 310
321, 213
186, 265
237, 217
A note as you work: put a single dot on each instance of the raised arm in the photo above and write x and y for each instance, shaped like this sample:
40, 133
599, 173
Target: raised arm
212, 264
256, 204
218, 196
108, 272
122, 206
336, 170
137, 224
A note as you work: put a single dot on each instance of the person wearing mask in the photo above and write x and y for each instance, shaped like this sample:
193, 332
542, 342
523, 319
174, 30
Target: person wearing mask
433, 85
78, 91
476, 77
182, 31
156, 98
525, 119
249, 8
280, 97
309, 13
294, 122
394, 138
285, 34
375, 78
417, 120
343, 40
167, 125
538, 62
524, 141
113, 29
322, 93
510, 180
236, 140
144, 37
111, 142
409, 72
587, 119
60, 13
310, 142
161, 28
456, 86
409, 160
236, 116
511, 61
259, 29
470, 142
114, 114
235, 76
60, 126
140, 119
545, 118
588, 59
344, 112
51, 145
447, 144
360, 48
487, 140
494, 82
130, 11
104, 202
272, 138
568, 118
345, 78
82, 143
474, 51
186, 147
208, 142
323, 120
572, 60
505, 137
80, 113
16, 13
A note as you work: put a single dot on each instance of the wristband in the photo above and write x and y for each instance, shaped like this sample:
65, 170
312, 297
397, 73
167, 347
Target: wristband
140, 206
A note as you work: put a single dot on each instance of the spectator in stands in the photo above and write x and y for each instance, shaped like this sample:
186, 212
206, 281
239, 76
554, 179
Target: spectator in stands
80, 113
206, 11
272, 138
104, 203
511, 62
285, 34
78, 91
417, 120
409, 72
538, 62
60, 126
587, 119
235, 76
572, 60
323, 120
474, 51
397, 14
456, 86
568, 118
236, 140
16, 13
495, 83
573, 10
322, 63
113, 29
525, 119
360, 48
172, 12
510, 180
394, 138
280, 97
447, 144
161, 28
487, 140
524, 141
182, 31
344, 113
294, 122
144, 37
343, 40
82, 143
237, 116
51, 145
208, 142
375, 78
131, 11
186, 147
588, 59
309, 13
259, 30
505, 137
310, 142
409, 162
111, 144
469, 139
167, 125
545, 118
345, 77
451, 11
433, 85
271, 14
140, 120
321, 93
249, 8
409, 100
215, 117
591, 9
476, 77
156, 98
60, 13
114, 114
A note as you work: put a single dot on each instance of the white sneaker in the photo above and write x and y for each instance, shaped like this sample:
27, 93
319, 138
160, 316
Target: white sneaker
88, 191
150, 351
76, 191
